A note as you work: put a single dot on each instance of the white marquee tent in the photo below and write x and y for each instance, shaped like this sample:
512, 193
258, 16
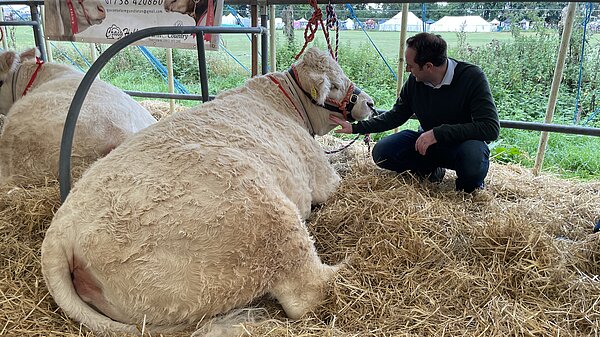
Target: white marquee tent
413, 23
461, 24
349, 24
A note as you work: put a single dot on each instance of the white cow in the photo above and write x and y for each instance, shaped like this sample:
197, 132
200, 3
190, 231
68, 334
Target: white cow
204, 211
68, 17
34, 101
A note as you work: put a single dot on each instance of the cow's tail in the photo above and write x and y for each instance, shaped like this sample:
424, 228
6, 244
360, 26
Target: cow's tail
57, 274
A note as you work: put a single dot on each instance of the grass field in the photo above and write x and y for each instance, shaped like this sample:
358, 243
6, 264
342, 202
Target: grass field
240, 47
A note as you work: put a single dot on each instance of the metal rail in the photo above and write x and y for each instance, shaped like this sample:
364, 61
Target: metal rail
35, 22
64, 171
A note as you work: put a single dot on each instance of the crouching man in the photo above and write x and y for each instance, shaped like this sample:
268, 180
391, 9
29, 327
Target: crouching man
456, 111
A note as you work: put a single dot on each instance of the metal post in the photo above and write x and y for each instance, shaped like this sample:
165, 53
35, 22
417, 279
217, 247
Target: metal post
37, 31
263, 40
171, 79
202, 66
254, 23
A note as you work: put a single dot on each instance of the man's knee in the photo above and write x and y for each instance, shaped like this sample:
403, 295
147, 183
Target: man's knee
389, 151
380, 153
473, 159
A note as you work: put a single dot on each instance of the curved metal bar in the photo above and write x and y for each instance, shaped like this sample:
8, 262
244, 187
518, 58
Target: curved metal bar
64, 170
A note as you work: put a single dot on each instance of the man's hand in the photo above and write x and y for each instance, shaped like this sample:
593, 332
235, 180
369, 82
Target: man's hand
346, 126
425, 140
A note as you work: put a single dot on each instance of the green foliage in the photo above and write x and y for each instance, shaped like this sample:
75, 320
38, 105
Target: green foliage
521, 81
519, 66
286, 54
507, 153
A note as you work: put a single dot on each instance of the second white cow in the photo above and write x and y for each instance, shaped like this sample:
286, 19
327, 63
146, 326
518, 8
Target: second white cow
34, 101
204, 211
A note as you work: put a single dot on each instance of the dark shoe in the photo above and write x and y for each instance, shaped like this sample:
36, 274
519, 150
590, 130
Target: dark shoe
437, 175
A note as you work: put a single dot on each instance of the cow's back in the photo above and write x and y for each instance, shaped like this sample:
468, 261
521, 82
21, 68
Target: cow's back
30, 141
194, 206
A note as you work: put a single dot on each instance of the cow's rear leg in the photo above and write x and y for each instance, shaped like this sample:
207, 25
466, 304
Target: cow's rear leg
304, 289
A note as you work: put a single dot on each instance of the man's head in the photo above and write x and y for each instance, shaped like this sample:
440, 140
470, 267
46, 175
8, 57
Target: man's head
425, 54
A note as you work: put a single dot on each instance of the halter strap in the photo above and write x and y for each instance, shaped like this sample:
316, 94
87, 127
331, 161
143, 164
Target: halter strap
73, 17
343, 107
39, 63
309, 124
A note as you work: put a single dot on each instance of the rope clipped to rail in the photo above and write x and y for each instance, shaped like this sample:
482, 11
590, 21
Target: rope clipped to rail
313, 26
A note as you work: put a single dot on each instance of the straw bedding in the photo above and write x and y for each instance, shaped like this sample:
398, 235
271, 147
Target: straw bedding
422, 260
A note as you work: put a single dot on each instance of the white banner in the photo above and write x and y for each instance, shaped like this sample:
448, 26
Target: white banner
106, 21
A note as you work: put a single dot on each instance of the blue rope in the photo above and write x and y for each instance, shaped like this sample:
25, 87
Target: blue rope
586, 20
80, 54
349, 7
592, 116
239, 22
66, 56
233, 57
238, 19
161, 69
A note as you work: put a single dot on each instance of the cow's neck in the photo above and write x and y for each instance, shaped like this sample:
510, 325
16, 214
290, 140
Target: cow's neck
65, 14
319, 121
19, 79
291, 95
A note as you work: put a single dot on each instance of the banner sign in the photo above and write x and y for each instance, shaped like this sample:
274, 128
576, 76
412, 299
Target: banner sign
106, 21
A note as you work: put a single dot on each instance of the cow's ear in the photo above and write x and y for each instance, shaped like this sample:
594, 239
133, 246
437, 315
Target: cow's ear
29, 54
319, 89
8, 61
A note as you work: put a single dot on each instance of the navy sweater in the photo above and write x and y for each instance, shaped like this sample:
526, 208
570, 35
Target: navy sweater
457, 112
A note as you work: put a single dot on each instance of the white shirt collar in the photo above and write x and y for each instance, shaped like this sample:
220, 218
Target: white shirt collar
447, 77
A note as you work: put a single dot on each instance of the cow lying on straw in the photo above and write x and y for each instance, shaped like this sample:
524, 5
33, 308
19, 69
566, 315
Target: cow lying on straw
35, 98
204, 211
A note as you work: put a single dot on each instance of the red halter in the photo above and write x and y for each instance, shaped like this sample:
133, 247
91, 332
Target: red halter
39, 63
73, 15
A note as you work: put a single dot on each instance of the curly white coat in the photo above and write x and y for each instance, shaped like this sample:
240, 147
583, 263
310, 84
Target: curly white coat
32, 131
204, 211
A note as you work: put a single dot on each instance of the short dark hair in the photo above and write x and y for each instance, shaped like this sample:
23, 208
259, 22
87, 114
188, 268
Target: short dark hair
429, 48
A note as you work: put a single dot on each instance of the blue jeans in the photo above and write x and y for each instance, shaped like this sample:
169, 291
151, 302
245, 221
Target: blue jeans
469, 159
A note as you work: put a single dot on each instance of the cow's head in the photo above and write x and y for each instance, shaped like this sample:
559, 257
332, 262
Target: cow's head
193, 8
321, 78
89, 12
9, 62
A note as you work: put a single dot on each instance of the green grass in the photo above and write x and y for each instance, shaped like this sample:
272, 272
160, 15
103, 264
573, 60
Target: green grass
239, 45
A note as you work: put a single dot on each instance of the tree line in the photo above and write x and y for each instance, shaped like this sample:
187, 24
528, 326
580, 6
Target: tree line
548, 12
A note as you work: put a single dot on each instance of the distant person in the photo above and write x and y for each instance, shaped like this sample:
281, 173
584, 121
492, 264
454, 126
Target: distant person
457, 115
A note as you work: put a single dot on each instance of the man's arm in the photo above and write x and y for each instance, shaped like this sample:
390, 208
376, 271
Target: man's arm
484, 125
393, 118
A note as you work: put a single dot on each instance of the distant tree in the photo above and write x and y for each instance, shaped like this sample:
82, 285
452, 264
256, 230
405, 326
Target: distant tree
287, 15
